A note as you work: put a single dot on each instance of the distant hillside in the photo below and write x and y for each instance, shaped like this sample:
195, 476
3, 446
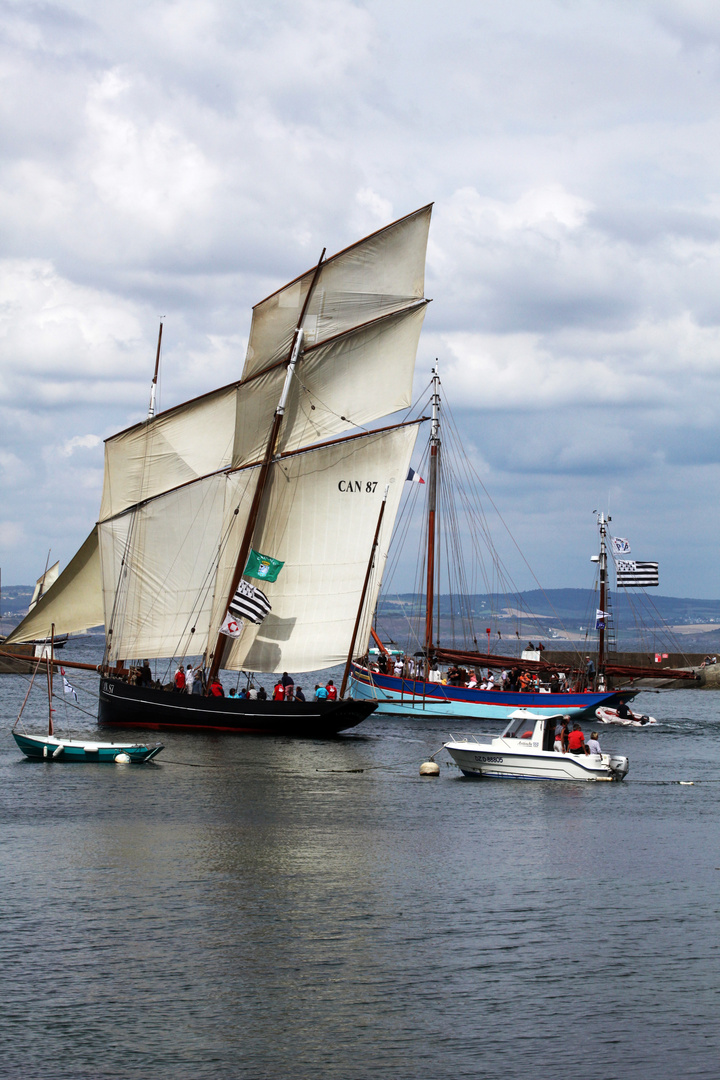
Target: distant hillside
638, 619
15, 599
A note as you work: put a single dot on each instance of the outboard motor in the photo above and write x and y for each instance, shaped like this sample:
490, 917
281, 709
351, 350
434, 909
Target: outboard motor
619, 766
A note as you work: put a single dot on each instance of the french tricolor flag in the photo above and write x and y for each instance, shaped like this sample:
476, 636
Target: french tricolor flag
414, 477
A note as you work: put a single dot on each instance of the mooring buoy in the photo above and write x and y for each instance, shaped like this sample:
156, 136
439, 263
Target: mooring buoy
429, 768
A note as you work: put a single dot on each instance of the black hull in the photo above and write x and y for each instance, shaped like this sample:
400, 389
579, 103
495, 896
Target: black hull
122, 705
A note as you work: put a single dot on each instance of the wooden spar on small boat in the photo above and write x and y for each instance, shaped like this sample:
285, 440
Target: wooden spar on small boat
50, 680
361, 605
293, 357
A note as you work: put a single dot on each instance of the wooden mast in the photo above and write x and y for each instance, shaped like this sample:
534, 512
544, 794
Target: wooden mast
50, 659
432, 507
363, 594
293, 357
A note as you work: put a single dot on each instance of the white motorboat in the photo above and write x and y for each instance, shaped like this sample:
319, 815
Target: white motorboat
525, 751
628, 719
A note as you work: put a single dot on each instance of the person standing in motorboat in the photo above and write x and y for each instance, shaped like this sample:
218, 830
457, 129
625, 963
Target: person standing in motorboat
561, 735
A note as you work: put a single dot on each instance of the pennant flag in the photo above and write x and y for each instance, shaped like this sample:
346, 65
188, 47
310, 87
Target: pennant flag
232, 627
249, 603
638, 575
262, 566
68, 689
414, 477
600, 617
619, 545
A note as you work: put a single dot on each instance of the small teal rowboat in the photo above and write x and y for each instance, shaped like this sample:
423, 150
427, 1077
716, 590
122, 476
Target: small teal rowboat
51, 748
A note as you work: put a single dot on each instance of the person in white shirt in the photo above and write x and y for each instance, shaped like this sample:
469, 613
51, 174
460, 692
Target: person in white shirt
189, 679
593, 744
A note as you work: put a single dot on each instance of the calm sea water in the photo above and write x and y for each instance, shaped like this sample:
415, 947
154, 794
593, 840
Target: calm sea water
260, 907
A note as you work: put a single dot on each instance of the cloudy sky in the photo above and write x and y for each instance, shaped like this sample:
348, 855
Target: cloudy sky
182, 158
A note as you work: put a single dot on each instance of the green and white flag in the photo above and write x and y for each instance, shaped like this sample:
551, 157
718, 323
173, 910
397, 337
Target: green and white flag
262, 566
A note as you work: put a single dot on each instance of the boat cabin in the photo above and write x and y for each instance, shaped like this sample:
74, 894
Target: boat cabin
537, 730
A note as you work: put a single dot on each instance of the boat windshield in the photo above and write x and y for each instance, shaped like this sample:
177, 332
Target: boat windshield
518, 726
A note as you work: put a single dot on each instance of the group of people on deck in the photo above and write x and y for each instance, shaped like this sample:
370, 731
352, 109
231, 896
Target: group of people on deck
189, 680
514, 679
571, 740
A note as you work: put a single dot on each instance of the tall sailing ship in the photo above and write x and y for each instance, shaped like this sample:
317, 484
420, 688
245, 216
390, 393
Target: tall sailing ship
250, 525
421, 689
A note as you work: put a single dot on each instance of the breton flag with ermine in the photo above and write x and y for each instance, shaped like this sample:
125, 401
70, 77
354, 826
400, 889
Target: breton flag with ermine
637, 575
249, 603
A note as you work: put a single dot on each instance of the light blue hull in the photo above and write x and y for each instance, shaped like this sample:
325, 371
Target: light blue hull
416, 698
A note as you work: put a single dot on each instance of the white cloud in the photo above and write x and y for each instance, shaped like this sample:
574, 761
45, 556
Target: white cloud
182, 159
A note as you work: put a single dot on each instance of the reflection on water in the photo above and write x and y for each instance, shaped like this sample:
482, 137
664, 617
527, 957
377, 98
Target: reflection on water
273, 913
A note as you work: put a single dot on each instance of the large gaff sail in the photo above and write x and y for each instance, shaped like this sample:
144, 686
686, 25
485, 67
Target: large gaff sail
73, 603
320, 519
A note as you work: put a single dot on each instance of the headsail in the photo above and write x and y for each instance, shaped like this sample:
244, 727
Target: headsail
73, 603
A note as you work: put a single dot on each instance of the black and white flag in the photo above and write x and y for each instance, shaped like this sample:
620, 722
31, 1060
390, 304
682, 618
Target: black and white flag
639, 575
249, 603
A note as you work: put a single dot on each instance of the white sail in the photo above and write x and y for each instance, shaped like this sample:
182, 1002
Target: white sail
73, 603
380, 274
348, 382
159, 563
342, 384
320, 520
43, 583
178, 446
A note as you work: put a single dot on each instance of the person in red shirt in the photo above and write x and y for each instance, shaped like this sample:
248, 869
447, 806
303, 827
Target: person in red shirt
332, 691
576, 741
279, 692
216, 689
180, 679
